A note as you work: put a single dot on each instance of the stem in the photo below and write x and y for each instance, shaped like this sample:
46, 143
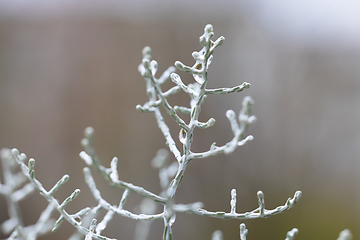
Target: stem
186, 157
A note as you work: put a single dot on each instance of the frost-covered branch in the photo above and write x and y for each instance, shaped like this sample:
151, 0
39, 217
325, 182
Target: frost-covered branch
148, 69
154, 93
142, 228
29, 171
239, 129
15, 191
291, 234
243, 231
217, 235
198, 92
259, 212
345, 235
236, 89
171, 173
97, 195
110, 174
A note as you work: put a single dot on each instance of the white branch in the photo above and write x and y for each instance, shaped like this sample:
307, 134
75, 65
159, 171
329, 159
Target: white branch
248, 215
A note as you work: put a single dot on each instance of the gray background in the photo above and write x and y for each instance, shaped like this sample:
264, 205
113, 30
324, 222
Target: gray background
66, 65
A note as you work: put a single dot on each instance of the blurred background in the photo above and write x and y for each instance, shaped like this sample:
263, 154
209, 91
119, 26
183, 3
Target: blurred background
66, 65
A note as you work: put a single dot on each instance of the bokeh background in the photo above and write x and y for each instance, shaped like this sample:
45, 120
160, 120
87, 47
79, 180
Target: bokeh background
66, 65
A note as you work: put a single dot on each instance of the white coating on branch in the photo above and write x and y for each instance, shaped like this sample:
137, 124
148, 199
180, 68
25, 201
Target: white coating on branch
170, 173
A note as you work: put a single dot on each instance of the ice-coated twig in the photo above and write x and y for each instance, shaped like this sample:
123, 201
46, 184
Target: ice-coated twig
97, 195
58, 184
345, 235
243, 231
166, 171
124, 198
70, 198
198, 93
217, 235
259, 212
215, 150
170, 92
166, 75
148, 69
167, 134
43, 225
89, 215
177, 80
142, 228
102, 225
77, 216
29, 172
14, 193
181, 109
170, 174
110, 174
207, 124
90, 234
154, 93
11, 183
292, 234
245, 119
261, 202
18, 233
188, 207
233, 201
238, 88
202, 58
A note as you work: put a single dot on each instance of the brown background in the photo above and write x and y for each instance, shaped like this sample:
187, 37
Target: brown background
61, 71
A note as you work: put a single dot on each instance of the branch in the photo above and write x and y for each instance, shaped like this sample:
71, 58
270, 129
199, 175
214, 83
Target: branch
97, 195
202, 58
13, 195
215, 150
167, 134
90, 157
29, 172
181, 109
148, 72
238, 128
259, 212
217, 235
154, 91
292, 234
177, 80
345, 235
238, 88
201, 125
166, 75
243, 231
